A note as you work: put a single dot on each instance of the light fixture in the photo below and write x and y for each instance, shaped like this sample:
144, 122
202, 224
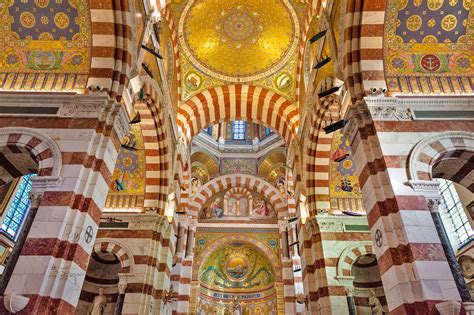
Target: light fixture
335, 126
136, 119
322, 63
317, 36
332, 90
147, 70
151, 51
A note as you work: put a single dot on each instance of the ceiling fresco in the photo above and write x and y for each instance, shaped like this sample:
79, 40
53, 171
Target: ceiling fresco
428, 46
239, 42
45, 45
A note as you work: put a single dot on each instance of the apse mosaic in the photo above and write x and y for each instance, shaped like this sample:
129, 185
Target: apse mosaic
43, 38
345, 190
218, 236
428, 46
128, 180
237, 266
238, 204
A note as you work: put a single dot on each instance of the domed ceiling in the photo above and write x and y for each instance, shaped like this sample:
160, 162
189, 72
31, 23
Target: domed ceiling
238, 41
232, 41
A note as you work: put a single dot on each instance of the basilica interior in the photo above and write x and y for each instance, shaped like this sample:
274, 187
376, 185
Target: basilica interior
226, 157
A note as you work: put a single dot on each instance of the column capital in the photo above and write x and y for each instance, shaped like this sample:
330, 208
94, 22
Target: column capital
433, 204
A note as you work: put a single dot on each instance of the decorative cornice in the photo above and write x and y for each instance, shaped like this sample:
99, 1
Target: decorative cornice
403, 109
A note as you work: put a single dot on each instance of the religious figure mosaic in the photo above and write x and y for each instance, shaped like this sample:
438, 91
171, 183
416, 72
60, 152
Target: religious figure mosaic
428, 46
237, 204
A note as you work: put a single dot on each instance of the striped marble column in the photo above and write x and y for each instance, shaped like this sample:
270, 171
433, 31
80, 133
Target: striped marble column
53, 260
412, 263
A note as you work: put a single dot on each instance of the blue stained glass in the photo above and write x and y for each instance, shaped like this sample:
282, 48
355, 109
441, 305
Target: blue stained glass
238, 130
18, 208
268, 131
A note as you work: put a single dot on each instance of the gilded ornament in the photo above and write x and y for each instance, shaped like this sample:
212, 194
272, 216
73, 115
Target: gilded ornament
238, 41
449, 22
434, 5
414, 23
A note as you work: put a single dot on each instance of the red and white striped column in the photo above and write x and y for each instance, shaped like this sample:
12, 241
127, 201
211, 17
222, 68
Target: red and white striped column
53, 261
412, 263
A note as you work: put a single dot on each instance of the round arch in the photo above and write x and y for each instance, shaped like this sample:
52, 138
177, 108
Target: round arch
122, 253
238, 180
41, 148
157, 151
429, 152
349, 255
238, 102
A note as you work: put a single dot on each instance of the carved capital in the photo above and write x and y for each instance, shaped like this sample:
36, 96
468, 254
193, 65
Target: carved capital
433, 204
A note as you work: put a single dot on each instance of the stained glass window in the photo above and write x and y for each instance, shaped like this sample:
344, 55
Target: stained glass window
238, 130
208, 130
268, 131
455, 211
18, 208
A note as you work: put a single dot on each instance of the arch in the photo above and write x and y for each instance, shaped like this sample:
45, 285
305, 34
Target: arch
111, 33
157, 153
366, 29
238, 180
349, 255
42, 149
317, 148
122, 253
238, 238
233, 102
238, 190
430, 151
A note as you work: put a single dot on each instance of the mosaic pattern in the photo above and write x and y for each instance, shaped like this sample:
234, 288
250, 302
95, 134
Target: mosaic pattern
235, 41
128, 181
44, 38
428, 46
237, 266
242, 166
344, 181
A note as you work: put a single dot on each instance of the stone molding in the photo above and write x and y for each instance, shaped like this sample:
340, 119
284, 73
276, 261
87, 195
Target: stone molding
402, 109
71, 105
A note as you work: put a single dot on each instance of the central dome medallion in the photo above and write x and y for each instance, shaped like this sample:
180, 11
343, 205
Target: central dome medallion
236, 40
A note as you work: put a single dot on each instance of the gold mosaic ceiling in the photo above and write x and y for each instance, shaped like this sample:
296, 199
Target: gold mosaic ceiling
239, 41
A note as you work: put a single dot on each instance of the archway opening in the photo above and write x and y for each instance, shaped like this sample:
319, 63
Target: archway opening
369, 296
102, 274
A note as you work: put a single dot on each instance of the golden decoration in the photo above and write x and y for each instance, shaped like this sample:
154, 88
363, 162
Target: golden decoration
239, 41
449, 22
434, 5
414, 23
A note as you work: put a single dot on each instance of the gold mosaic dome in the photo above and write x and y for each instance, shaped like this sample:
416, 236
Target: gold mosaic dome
239, 41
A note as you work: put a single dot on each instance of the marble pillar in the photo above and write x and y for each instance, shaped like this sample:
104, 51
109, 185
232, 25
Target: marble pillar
433, 205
